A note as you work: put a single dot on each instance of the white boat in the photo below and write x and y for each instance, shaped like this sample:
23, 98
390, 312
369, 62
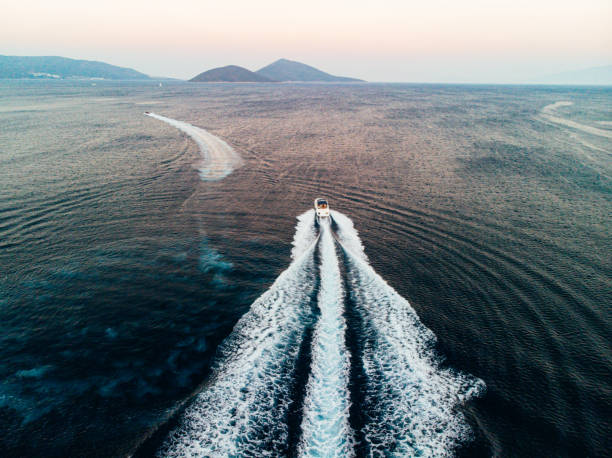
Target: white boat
321, 207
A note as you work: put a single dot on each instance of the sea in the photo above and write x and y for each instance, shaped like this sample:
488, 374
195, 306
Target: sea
166, 289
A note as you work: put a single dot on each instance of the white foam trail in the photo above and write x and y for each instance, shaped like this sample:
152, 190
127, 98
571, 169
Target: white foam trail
244, 409
219, 159
348, 235
305, 234
412, 401
549, 114
325, 425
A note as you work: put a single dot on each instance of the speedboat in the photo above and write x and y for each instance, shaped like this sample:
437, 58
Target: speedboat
321, 207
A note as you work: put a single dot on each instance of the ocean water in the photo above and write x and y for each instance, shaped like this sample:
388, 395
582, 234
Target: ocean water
161, 294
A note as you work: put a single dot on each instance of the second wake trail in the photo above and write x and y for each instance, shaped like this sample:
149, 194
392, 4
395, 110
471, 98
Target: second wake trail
218, 158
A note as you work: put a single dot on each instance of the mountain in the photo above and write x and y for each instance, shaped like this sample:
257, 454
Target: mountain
63, 67
230, 74
288, 70
595, 76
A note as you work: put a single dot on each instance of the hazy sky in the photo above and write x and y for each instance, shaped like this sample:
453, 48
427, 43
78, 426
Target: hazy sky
383, 40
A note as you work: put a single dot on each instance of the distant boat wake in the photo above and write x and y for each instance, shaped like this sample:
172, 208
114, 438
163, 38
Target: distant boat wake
549, 113
287, 381
219, 158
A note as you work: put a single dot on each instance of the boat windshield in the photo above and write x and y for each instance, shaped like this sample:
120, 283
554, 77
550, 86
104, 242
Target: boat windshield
321, 203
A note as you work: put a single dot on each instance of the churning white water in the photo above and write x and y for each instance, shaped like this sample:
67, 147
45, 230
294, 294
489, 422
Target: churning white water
325, 426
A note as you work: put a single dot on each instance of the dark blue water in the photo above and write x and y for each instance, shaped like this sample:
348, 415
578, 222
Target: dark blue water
121, 272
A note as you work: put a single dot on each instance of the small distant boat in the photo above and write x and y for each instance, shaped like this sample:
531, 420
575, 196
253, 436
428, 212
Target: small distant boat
147, 112
321, 207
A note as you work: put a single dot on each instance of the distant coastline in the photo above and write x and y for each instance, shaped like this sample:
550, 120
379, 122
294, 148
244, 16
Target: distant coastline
55, 67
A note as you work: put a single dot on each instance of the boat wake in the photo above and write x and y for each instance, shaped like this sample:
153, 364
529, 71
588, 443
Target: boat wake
219, 158
409, 404
550, 114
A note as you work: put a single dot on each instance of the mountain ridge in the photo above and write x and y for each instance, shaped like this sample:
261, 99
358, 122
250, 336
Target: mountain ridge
230, 74
289, 70
56, 67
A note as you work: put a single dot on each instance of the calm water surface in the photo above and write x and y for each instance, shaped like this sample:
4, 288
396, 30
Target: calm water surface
121, 271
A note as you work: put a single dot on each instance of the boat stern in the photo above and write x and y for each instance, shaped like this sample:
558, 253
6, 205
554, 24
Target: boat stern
321, 208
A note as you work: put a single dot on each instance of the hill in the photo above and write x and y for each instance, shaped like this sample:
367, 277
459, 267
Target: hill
63, 67
595, 76
230, 74
288, 70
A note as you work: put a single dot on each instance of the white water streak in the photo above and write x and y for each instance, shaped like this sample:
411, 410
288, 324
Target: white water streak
305, 234
549, 113
244, 409
412, 400
219, 158
325, 426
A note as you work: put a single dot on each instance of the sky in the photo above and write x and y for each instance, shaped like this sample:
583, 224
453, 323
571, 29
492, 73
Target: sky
384, 40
